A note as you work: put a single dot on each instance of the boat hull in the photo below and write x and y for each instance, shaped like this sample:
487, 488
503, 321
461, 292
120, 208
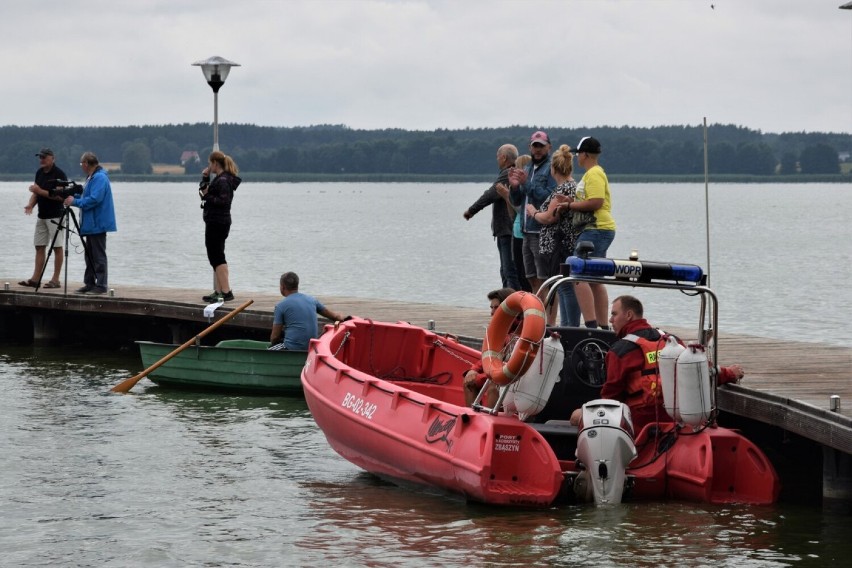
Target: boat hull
234, 366
712, 465
412, 425
389, 399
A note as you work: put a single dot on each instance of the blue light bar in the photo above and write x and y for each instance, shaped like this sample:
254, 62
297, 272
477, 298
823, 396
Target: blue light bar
643, 271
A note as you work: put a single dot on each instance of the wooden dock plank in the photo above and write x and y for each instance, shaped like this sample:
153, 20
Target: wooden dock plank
805, 374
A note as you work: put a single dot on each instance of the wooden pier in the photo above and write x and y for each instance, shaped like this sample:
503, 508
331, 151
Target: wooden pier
788, 385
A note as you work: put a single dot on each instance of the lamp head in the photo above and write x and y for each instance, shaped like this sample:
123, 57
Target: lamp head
216, 70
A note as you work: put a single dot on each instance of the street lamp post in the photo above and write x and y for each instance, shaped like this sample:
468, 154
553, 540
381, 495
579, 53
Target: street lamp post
216, 70
846, 6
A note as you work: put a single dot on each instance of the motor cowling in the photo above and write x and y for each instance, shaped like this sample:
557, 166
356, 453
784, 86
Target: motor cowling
604, 449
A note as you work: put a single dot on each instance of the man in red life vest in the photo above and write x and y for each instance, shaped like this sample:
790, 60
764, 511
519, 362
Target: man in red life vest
476, 377
632, 374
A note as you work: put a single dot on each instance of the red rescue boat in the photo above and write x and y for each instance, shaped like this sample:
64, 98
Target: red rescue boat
389, 398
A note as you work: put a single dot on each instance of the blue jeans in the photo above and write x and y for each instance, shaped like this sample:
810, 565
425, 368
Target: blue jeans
600, 238
507, 266
569, 309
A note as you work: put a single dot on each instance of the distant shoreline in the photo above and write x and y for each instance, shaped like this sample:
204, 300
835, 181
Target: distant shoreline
274, 177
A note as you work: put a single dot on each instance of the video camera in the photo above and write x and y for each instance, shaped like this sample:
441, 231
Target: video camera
202, 185
65, 188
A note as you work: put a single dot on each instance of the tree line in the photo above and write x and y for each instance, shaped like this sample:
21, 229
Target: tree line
338, 149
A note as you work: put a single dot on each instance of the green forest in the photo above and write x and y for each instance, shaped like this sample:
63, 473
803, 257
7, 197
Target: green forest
339, 151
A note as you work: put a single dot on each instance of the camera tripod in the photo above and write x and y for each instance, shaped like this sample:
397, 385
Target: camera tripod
63, 225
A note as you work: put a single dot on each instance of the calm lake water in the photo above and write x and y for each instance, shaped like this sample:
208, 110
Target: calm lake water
780, 255
166, 478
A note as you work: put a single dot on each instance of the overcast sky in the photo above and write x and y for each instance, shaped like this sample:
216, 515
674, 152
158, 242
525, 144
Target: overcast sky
772, 65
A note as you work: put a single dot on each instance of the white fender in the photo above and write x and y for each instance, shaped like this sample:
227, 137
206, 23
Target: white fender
605, 448
667, 360
692, 387
529, 394
508, 400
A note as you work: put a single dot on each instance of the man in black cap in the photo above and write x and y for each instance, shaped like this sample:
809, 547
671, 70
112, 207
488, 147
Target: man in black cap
50, 210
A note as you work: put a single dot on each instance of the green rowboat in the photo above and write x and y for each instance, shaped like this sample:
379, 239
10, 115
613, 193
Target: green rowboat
236, 365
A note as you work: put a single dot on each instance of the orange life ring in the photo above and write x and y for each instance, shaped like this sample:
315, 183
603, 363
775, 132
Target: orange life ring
531, 333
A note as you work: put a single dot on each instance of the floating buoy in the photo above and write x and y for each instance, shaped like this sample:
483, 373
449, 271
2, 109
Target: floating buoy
692, 387
667, 360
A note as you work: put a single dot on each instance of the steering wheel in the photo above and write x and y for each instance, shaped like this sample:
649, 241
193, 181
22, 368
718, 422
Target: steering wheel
587, 362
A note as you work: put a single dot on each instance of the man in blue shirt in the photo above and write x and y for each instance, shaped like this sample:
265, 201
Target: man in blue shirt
295, 321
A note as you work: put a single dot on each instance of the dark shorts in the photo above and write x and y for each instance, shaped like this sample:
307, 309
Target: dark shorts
535, 264
215, 235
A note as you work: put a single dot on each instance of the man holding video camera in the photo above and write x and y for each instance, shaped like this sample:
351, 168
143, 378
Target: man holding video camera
97, 218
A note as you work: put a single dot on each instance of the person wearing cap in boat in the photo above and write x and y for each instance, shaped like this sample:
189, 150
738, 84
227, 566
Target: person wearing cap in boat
501, 217
629, 378
294, 322
50, 210
531, 186
475, 378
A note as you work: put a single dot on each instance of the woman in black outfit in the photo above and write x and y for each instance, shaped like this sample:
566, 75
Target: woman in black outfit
216, 197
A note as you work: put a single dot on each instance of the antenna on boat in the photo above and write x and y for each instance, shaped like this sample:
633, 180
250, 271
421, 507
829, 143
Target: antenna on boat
706, 204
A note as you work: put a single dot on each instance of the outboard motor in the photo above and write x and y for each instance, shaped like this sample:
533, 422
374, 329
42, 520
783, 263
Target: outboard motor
604, 448
529, 394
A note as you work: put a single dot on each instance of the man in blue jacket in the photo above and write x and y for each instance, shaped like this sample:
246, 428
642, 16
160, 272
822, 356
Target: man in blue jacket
533, 185
97, 218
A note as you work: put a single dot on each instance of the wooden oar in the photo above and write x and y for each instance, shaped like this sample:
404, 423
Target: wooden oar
125, 386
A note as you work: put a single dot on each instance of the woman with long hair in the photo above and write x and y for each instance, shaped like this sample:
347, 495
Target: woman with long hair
216, 197
558, 234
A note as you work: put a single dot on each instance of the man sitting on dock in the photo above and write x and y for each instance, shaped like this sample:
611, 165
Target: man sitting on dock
295, 321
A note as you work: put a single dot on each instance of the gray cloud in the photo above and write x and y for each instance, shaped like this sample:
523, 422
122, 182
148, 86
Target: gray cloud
774, 65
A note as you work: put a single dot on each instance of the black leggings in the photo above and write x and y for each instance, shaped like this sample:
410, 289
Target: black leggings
215, 235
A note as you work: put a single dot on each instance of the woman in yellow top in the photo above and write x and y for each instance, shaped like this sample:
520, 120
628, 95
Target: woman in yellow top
593, 198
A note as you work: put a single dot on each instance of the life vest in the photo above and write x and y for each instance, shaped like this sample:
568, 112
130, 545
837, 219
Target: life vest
644, 388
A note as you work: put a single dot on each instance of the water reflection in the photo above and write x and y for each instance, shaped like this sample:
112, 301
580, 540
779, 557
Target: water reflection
222, 408
369, 521
165, 477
